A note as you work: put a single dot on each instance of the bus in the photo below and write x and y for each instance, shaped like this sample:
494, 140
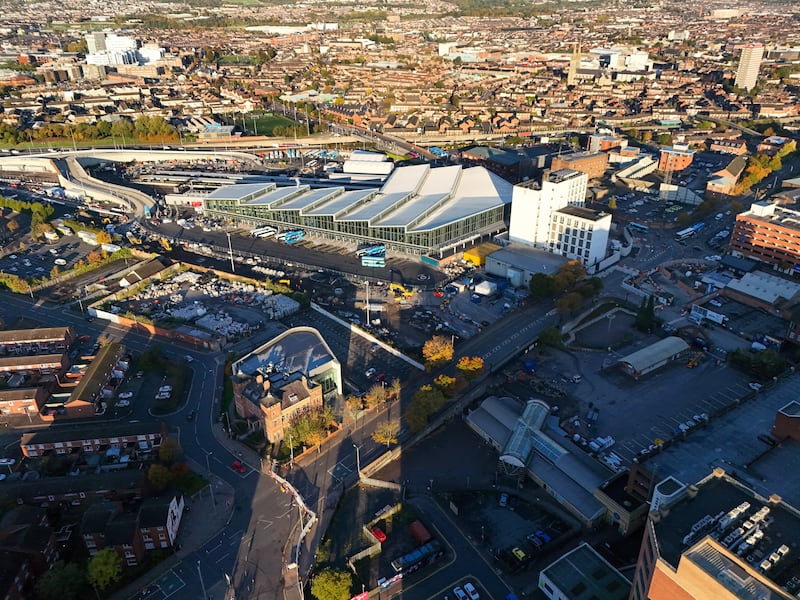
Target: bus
373, 261
638, 228
698, 227
293, 236
260, 231
685, 234
375, 250
421, 557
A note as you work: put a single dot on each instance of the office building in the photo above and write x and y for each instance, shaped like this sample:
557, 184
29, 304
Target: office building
749, 63
769, 233
533, 204
717, 539
675, 158
579, 233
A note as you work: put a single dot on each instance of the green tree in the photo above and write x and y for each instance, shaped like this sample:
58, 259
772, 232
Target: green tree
104, 568
64, 581
386, 433
568, 275
332, 584
169, 450
569, 304
541, 286
551, 338
354, 405
446, 384
425, 402
159, 476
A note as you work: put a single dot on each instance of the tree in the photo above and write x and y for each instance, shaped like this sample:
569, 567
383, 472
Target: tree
541, 286
332, 584
354, 405
386, 433
159, 476
551, 338
64, 581
446, 384
315, 438
376, 396
470, 367
425, 402
395, 389
103, 237
437, 351
169, 450
569, 303
568, 275
105, 568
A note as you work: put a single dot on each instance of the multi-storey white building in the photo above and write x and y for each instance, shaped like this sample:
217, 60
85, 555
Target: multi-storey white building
749, 63
551, 216
532, 204
579, 233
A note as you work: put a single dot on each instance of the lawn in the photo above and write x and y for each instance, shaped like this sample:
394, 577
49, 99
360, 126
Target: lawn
266, 123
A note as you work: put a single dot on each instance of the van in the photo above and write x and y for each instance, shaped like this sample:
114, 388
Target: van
718, 217
576, 379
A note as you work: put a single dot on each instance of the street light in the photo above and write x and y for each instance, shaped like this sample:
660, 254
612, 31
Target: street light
291, 452
202, 583
210, 482
358, 460
230, 252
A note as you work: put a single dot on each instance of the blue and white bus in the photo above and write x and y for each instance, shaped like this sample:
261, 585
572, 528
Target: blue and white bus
685, 234
638, 228
373, 261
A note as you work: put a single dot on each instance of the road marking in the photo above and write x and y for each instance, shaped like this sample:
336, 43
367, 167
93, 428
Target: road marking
223, 557
267, 523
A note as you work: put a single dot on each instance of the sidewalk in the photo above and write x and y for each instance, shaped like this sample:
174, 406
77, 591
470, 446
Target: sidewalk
200, 523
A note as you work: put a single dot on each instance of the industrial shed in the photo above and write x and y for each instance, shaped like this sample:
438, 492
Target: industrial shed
654, 356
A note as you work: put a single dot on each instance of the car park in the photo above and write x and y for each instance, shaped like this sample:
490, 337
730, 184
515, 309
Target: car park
471, 591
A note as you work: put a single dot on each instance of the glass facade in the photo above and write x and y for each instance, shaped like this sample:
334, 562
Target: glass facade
397, 238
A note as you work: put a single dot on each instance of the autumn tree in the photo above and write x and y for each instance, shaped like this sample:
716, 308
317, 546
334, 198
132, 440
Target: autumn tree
551, 337
386, 433
470, 367
376, 396
541, 286
569, 303
105, 568
568, 275
446, 384
169, 450
354, 405
437, 351
395, 389
103, 237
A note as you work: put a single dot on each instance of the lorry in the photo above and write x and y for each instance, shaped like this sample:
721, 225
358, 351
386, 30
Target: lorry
420, 533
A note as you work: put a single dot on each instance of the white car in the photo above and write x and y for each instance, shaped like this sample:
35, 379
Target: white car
126, 395
165, 388
163, 396
370, 372
123, 403
7, 462
189, 358
752, 385
715, 257
471, 591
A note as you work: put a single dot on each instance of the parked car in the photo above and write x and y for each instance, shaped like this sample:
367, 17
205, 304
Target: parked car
378, 533
126, 395
369, 373
754, 386
471, 591
191, 415
459, 593
165, 388
163, 396
503, 500
238, 467
7, 462
123, 403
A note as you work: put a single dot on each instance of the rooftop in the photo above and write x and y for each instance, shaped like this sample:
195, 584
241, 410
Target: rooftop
98, 373
528, 259
582, 574
730, 441
720, 507
105, 431
583, 213
42, 334
300, 349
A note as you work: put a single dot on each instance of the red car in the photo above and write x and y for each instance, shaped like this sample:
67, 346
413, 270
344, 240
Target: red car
380, 377
84, 338
379, 535
238, 467
438, 293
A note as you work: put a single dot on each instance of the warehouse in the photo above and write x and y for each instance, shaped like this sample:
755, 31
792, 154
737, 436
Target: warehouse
419, 210
653, 356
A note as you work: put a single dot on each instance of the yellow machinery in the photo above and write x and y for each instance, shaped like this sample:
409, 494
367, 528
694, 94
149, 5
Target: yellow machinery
166, 245
133, 239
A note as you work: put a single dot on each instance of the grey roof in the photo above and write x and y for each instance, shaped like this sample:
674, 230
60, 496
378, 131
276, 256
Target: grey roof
528, 259
274, 198
300, 349
311, 198
582, 574
642, 359
336, 205
40, 334
240, 192
497, 155
106, 430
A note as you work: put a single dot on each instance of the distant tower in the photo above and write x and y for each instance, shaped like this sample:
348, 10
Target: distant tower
747, 74
574, 61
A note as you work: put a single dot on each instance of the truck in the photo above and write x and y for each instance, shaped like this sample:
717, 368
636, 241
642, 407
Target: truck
420, 533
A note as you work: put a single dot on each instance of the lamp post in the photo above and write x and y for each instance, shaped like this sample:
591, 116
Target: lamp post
230, 252
202, 583
210, 484
358, 460
366, 283
291, 452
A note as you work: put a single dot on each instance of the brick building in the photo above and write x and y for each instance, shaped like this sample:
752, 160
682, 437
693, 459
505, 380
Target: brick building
289, 375
592, 163
141, 437
36, 341
26, 401
675, 158
768, 233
